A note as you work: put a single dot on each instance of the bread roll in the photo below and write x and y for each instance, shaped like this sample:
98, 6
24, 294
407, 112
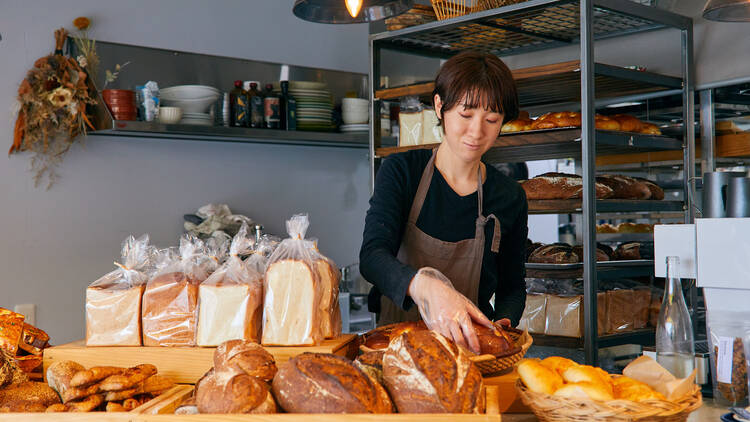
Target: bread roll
586, 373
326, 383
170, 310
605, 123
539, 378
650, 129
558, 364
628, 123
28, 396
606, 228
291, 315
231, 392
584, 390
522, 123
61, 373
426, 373
245, 357
626, 388
557, 120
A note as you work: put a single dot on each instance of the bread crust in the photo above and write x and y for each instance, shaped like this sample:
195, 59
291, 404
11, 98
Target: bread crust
625, 187
229, 392
245, 357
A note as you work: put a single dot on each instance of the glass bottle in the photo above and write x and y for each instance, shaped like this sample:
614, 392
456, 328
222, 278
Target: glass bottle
288, 108
255, 100
238, 110
271, 108
675, 349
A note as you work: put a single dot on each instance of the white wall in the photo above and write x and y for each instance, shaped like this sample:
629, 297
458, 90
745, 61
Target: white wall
56, 242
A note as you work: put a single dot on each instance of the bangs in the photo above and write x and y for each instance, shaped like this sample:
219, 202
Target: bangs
477, 80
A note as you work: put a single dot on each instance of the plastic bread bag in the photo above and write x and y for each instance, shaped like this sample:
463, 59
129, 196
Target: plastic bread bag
292, 291
170, 300
564, 315
231, 297
620, 310
113, 302
330, 278
729, 345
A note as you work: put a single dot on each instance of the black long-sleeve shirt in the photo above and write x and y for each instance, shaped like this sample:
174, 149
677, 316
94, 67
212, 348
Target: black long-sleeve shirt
449, 217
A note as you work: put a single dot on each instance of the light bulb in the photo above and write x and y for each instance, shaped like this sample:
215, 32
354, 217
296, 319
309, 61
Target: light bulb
353, 7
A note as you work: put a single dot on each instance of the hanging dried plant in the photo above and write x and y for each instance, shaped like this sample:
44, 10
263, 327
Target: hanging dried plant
52, 102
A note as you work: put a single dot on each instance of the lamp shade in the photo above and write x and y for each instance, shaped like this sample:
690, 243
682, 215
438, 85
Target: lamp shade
334, 11
727, 10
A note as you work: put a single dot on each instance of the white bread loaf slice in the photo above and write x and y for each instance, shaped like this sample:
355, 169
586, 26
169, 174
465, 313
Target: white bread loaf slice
291, 306
227, 312
329, 304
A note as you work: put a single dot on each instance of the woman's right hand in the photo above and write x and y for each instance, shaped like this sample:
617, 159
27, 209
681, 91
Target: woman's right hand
445, 310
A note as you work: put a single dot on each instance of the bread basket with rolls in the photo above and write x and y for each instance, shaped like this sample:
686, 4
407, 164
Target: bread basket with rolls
560, 390
501, 348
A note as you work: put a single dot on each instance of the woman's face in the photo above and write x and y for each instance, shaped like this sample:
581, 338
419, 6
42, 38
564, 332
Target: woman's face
469, 132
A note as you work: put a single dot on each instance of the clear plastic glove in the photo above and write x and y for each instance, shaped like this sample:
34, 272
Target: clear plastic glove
444, 309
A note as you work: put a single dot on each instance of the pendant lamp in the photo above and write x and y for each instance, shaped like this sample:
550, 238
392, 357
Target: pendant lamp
727, 10
338, 11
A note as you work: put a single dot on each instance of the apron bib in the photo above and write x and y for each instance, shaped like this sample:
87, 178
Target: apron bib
460, 261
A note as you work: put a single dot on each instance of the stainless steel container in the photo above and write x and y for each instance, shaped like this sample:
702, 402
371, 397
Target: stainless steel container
738, 197
715, 186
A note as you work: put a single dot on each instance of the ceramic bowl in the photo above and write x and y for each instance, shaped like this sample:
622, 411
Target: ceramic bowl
199, 105
170, 115
188, 92
355, 117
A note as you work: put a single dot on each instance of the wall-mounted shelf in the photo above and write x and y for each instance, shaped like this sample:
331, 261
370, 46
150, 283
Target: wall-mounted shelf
645, 336
234, 134
561, 83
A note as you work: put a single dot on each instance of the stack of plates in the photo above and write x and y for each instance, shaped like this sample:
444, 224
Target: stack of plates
314, 105
362, 128
203, 119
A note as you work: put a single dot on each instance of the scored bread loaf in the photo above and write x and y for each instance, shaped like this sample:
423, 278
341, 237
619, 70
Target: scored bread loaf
232, 392
560, 186
426, 373
326, 383
245, 357
556, 253
291, 314
170, 310
625, 187
657, 193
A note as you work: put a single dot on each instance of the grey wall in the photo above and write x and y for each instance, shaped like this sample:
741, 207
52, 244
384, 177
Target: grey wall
56, 242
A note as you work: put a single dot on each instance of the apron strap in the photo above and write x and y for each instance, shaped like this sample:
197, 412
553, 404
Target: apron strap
424, 186
482, 220
496, 234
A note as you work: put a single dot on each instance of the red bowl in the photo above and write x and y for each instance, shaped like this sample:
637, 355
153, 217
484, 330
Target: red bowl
118, 93
124, 116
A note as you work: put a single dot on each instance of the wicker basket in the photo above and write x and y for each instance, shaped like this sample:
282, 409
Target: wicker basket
418, 15
548, 408
446, 9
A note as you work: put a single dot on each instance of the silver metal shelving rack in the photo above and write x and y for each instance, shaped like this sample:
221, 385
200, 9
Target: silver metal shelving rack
543, 24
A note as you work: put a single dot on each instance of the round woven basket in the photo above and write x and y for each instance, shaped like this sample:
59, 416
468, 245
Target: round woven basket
490, 365
446, 9
548, 408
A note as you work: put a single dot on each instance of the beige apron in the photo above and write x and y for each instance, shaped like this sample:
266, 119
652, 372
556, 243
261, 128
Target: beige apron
460, 261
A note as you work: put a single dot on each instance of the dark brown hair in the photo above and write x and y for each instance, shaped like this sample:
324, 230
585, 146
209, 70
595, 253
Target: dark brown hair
482, 78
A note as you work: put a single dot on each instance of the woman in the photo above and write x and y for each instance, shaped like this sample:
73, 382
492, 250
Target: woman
433, 238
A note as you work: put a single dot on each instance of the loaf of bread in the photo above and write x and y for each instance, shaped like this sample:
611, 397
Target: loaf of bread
491, 341
560, 186
534, 316
33, 339
627, 122
650, 129
539, 378
584, 390
657, 193
626, 388
606, 123
556, 253
557, 120
27, 396
564, 316
229, 311
625, 187
590, 374
326, 383
640, 308
628, 251
245, 357
426, 373
10, 373
330, 313
522, 123
11, 330
231, 392
620, 313
113, 315
291, 309
603, 252
606, 228
170, 310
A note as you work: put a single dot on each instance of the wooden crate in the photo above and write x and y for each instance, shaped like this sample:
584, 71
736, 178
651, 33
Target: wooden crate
184, 365
167, 402
508, 399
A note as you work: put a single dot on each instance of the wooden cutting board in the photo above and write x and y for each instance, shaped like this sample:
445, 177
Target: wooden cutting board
185, 365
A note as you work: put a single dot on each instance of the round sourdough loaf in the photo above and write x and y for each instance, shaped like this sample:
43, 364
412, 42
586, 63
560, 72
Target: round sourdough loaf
232, 392
326, 383
426, 373
245, 357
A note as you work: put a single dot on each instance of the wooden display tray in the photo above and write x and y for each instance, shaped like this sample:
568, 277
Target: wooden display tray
184, 365
165, 404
